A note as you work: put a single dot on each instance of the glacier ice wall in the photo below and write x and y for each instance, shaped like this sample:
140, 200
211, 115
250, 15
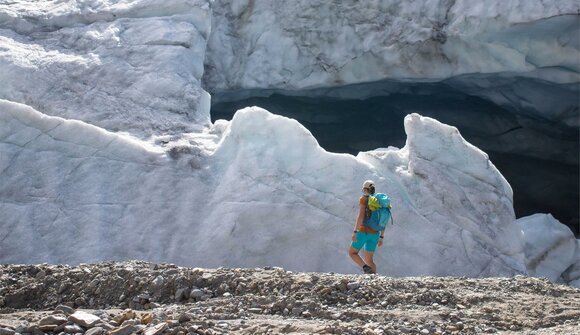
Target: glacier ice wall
131, 66
303, 44
530, 45
255, 191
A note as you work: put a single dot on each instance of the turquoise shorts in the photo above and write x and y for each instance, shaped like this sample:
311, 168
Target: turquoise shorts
369, 241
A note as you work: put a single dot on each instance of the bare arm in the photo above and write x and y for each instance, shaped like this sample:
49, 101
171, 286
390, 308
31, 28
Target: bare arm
360, 217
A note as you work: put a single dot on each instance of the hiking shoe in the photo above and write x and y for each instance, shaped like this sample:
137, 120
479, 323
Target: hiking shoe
368, 269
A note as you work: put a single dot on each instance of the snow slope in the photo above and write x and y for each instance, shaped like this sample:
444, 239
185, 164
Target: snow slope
251, 192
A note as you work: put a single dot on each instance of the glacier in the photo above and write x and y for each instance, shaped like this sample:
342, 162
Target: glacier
108, 150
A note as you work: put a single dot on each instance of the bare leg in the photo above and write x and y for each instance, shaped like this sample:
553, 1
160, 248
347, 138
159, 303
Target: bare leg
369, 260
353, 253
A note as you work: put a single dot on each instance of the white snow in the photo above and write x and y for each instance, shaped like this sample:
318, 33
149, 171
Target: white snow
551, 249
255, 191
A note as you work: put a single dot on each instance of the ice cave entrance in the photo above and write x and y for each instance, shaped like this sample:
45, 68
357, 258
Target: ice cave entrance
537, 155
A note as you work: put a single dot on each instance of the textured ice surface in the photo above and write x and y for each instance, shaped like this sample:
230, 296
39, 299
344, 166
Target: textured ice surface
551, 249
530, 47
303, 44
255, 191
123, 65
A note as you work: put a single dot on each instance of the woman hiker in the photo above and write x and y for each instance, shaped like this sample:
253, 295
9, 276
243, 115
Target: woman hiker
364, 236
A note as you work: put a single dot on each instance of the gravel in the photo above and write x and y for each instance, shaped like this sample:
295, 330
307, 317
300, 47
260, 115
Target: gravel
145, 298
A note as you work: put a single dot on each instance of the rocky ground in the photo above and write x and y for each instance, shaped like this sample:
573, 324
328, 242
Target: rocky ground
144, 298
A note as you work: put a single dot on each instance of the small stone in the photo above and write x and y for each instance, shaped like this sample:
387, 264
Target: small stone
47, 328
40, 275
127, 314
255, 310
424, 331
57, 320
296, 311
158, 281
185, 317
227, 295
181, 294
146, 318
84, 319
194, 329
352, 286
143, 296
6, 331
173, 323
197, 293
95, 331
127, 330
132, 322
74, 328
155, 330
80, 301
306, 314
66, 310
223, 324
106, 326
